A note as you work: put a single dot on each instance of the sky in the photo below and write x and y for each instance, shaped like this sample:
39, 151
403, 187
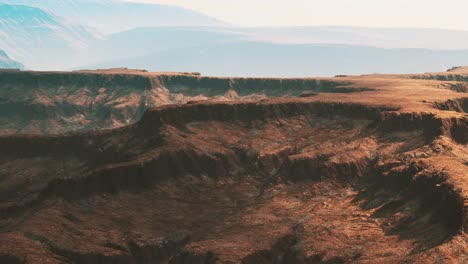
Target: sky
449, 14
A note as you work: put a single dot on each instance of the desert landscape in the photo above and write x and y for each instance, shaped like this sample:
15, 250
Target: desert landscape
130, 166
233, 132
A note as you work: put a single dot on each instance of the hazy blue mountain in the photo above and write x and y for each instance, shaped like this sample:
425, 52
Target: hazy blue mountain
141, 41
47, 34
110, 16
39, 39
426, 38
231, 51
7, 63
245, 58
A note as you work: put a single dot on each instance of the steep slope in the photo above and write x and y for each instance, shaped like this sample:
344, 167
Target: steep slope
7, 63
106, 15
55, 102
361, 169
40, 39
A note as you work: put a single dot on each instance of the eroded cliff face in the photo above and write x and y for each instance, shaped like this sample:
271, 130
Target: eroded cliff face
248, 171
45, 103
56, 102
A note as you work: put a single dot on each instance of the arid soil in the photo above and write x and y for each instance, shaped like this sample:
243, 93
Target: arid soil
182, 168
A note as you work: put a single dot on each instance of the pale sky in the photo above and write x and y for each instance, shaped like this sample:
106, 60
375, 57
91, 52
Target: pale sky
451, 14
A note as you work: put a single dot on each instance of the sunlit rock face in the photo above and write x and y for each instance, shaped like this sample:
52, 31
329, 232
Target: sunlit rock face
184, 168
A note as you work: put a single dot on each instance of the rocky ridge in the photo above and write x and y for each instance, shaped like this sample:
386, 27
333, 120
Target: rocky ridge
359, 169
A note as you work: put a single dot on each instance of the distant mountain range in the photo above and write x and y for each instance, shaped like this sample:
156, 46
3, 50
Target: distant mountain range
252, 59
140, 42
39, 39
7, 63
239, 52
74, 34
111, 16
422, 38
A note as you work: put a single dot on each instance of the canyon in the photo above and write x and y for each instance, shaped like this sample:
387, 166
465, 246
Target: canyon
130, 166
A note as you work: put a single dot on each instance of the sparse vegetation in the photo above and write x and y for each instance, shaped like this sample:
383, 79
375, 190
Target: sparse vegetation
72, 230
115, 246
39, 238
72, 218
3, 174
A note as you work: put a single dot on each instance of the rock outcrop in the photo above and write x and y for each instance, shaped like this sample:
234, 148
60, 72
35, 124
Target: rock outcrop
214, 170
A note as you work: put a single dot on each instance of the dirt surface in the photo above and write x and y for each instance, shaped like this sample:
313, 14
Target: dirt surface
182, 168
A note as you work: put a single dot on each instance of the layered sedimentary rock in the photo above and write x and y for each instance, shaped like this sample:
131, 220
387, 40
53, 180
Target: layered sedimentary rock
193, 169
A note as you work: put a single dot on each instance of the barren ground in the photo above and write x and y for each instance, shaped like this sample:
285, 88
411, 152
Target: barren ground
181, 168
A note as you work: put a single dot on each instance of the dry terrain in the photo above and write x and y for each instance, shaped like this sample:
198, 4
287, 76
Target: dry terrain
127, 166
